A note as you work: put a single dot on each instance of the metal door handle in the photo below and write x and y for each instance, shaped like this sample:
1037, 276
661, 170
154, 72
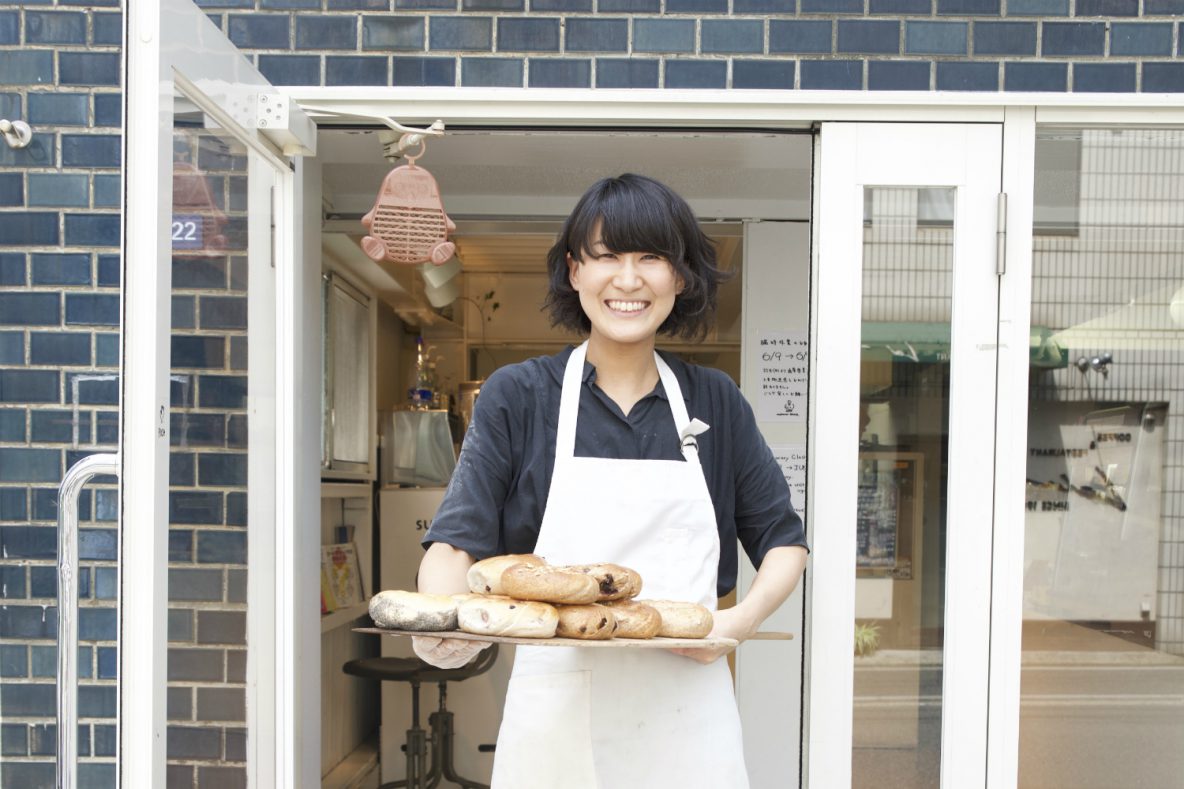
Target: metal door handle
78, 475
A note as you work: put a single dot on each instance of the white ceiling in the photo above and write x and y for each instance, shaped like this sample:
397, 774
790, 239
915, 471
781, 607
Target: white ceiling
541, 174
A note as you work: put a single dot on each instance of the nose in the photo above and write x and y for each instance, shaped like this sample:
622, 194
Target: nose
628, 276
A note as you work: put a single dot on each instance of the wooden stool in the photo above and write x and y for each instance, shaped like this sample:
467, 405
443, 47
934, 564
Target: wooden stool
415, 671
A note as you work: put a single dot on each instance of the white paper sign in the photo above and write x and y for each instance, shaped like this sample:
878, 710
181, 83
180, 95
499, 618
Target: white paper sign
792, 459
781, 360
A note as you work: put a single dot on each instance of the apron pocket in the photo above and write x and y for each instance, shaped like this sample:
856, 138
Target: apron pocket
545, 739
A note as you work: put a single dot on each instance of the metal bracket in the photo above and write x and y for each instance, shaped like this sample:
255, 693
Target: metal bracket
67, 686
17, 134
1001, 234
283, 122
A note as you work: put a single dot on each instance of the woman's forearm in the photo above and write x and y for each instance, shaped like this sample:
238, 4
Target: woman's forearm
443, 570
773, 584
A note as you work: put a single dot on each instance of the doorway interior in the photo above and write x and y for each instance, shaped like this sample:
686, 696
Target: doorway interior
508, 191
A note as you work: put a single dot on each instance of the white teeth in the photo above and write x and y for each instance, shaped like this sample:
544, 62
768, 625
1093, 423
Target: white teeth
626, 306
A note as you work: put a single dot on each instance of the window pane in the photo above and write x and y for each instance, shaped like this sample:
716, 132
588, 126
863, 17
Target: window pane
900, 538
1102, 700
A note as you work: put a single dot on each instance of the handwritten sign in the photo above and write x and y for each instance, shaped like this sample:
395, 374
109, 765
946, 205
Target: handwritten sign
792, 459
781, 360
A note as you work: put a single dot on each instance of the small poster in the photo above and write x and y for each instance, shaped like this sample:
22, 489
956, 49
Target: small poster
340, 566
782, 361
792, 459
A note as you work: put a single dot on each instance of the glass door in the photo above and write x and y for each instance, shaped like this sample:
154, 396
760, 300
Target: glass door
207, 690
906, 333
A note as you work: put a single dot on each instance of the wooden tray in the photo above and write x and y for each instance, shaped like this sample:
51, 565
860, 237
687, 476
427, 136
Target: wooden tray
625, 643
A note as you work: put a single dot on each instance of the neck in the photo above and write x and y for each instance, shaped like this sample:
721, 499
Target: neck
626, 373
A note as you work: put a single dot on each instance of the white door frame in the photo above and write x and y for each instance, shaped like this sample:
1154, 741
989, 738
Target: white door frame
174, 47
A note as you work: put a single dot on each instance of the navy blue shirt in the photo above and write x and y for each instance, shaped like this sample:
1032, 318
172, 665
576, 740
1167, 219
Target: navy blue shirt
495, 500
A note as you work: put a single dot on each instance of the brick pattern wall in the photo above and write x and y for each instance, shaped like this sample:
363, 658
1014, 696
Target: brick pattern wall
976, 45
60, 69
59, 356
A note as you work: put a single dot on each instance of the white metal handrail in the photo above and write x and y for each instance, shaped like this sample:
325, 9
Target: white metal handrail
78, 475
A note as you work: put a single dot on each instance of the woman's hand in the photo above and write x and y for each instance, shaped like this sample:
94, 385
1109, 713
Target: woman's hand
447, 652
775, 580
729, 623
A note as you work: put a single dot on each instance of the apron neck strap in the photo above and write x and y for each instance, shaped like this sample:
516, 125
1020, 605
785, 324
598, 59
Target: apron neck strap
569, 402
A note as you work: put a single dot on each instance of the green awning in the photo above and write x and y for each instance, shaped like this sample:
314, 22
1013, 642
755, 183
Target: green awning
905, 341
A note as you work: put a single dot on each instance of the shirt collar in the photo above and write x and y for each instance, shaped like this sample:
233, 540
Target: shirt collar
589, 378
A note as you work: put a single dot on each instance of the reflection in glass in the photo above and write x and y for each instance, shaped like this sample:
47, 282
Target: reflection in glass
1102, 698
208, 453
901, 520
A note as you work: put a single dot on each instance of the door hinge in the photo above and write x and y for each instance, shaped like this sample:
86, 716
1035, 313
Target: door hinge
1001, 234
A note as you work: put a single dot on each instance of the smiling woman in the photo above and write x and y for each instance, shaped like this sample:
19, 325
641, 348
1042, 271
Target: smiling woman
625, 486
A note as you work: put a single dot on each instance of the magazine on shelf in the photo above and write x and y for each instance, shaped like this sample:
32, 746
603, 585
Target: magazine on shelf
339, 563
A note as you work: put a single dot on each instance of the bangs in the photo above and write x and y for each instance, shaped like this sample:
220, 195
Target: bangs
632, 218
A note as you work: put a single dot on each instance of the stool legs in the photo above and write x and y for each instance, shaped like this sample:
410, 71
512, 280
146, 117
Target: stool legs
415, 749
419, 775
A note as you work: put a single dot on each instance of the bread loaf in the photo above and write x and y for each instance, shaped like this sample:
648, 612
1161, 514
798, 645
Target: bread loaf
485, 576
634, 619
615, 582
401, 610
549, 584
502, 616
682, 620
591, 622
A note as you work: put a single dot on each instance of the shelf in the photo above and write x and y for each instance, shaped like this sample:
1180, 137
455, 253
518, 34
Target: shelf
345, 490
354, 769
343, 616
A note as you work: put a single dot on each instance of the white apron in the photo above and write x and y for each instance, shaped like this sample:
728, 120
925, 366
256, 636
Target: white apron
624, 718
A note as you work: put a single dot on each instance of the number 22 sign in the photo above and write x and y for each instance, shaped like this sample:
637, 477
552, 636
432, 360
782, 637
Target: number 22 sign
186, 231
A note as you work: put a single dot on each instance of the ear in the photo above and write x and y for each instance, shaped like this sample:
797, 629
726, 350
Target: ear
573, 272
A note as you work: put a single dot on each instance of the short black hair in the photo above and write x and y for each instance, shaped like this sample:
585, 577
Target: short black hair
637, 214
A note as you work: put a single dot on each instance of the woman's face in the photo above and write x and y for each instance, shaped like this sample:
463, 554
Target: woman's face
626, 295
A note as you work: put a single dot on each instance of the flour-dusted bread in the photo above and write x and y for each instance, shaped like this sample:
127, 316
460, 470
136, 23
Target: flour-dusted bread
635, 619
682, 620
591, 622
615, 582
488, 615
549, 584
485, 576
401, 610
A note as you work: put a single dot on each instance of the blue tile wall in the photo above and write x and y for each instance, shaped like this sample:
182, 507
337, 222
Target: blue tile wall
491, 72
763, 74
935, 38
696, 73
10, 27
626, 73
559, 73
897, 75
59, 109
326, 32
393, 33
663, 35
1137, 38
26, 68
516, 34
461, 33
12, 190
265, 31
55, 27
88, 68
1073, 38
866, 36
732, 36
597, 35
59, 189
1005, 38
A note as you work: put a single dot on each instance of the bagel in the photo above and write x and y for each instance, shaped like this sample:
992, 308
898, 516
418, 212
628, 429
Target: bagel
485, 576
615, 582
682, 620
401, 610
590, 622
489, 615
635, 619
549, 585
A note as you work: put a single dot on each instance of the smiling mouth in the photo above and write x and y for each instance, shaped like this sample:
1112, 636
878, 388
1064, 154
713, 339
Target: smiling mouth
626, 306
